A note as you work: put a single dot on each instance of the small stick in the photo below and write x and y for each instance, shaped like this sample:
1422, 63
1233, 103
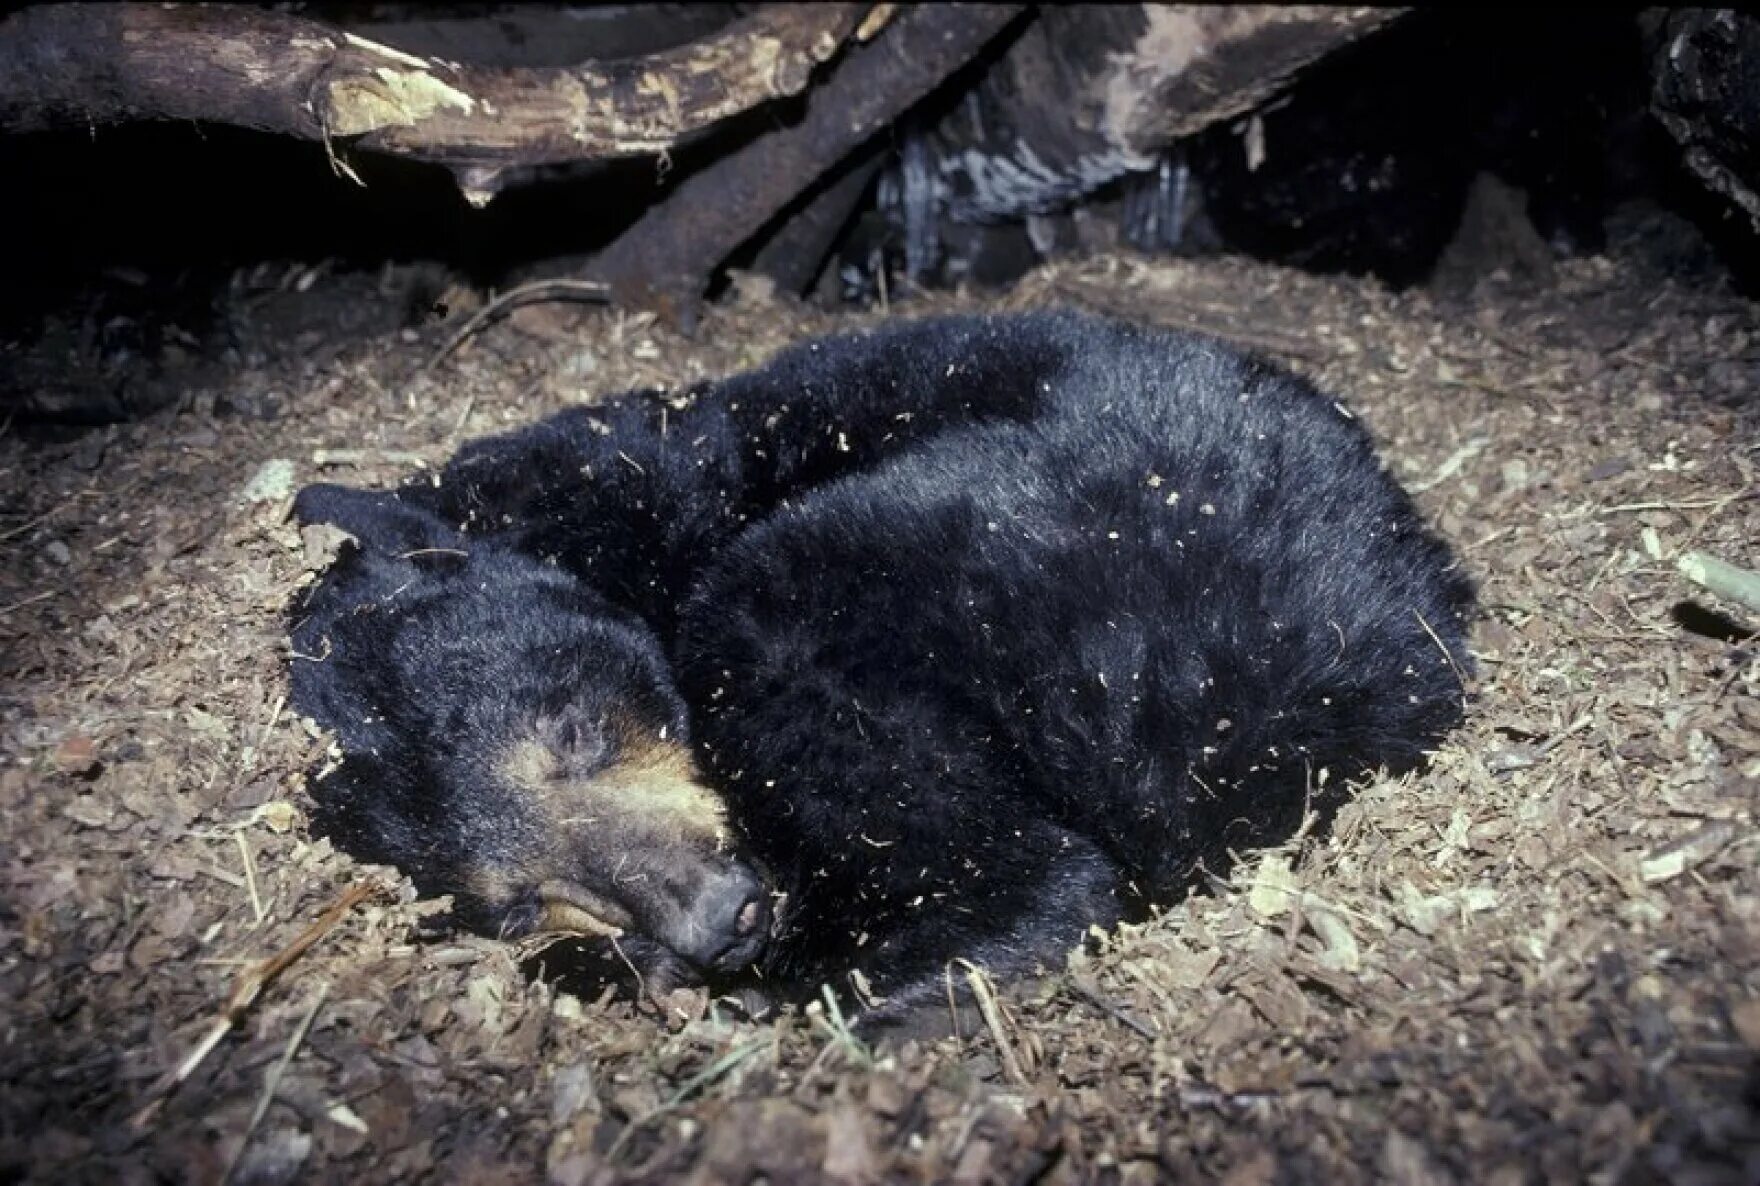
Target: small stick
1557, 739
224, 875
1740, 585
529, 293
18, 605
981, 988
641, 985
959, 1039
15, 532
245, 991
269, 725
470, 405
1743, 656
1446, 654
336, 457
272, 1080
250, 875
1091, 994
1692, 504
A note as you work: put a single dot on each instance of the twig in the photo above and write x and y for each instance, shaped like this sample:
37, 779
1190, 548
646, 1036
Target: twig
1738, 663
1452, 466
1092, 995
250, 875
1694, 504
1227, 326
985, 992
14, 532
1210, 1097
641, 985
272, 1080
269, 725
245, 991
1446, 653
532, 292
1558, 739
1740, 585
1704, 520
335, 457
222, 875
959, 1039
18, 605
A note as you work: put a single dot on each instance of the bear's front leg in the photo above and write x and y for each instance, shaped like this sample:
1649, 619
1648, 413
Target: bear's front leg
895, 940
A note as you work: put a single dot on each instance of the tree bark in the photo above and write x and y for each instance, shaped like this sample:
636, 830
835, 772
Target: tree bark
1707, 94
796, 254
84, 64
1092, 92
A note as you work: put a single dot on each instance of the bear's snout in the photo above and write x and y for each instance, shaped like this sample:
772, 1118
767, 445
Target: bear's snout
728, 922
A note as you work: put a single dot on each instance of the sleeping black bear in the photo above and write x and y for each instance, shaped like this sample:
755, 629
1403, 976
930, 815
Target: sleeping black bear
962, 635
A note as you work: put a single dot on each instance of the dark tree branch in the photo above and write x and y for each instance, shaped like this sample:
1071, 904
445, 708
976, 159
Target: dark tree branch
664, 261
795, 255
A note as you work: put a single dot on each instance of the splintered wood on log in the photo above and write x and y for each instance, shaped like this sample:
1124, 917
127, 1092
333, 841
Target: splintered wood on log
84, 64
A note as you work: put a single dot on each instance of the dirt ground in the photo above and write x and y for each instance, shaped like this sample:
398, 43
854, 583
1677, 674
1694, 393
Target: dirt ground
1537, 961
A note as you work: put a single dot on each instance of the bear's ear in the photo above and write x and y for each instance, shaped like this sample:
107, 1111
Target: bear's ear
377, 519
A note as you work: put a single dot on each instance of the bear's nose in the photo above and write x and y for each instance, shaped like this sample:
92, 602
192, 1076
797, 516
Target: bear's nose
732, 922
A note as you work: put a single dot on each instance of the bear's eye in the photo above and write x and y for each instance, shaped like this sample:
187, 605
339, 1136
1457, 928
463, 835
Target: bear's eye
582, 762
566, 734
579, 748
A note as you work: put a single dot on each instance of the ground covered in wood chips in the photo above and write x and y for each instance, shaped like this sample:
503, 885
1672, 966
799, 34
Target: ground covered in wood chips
1537, 961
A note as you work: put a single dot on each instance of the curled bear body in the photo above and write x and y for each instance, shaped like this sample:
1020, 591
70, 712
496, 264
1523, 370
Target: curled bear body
988, 629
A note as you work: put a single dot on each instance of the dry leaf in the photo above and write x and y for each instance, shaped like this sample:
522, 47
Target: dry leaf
1274, 886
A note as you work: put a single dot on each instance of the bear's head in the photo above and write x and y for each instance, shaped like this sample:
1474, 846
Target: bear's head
574, 796
636, 843
514, 740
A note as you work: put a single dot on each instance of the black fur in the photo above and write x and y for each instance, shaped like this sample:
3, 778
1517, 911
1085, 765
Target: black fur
989, 628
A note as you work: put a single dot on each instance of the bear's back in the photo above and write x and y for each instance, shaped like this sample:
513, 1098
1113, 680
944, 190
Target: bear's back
1161, 607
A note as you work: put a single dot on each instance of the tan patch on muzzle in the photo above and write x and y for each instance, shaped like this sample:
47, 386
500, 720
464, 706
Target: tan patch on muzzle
659, 781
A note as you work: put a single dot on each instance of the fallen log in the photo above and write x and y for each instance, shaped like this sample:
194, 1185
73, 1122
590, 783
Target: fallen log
86, 64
